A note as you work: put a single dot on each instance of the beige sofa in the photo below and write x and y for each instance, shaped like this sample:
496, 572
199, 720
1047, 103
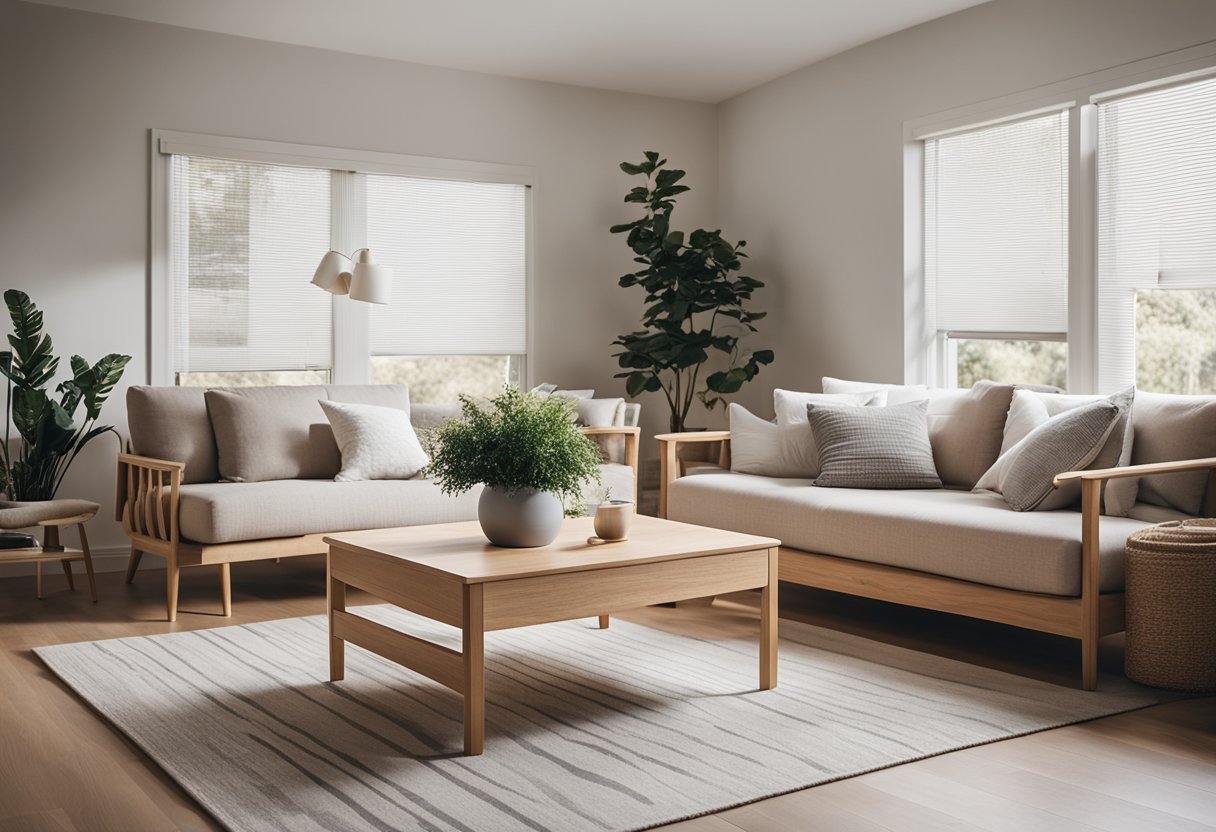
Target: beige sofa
173, 503
953, 549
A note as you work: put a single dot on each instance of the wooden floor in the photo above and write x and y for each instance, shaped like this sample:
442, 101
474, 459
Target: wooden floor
64, 769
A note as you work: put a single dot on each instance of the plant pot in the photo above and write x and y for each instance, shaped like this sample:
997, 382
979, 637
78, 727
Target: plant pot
524, 519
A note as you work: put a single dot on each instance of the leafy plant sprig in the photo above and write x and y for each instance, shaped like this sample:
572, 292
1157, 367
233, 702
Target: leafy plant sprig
519, 441
50, 438
692, 294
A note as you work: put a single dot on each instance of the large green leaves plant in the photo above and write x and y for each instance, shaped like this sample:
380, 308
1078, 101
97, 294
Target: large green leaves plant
50, 439
519, 441
695, 302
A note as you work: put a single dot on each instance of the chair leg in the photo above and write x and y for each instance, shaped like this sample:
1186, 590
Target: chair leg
67, 572
88, 561
171, 583
133, 563
226, 588
38, 580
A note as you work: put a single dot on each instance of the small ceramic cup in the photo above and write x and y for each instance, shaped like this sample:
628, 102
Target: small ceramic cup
612, 519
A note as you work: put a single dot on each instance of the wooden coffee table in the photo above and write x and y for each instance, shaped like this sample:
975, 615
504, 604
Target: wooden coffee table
449, 573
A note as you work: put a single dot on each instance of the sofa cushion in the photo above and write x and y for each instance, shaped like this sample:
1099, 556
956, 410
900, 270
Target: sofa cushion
1170, 428
1031, 408
172, 423
873, 447
959, 534
231, 511
377, 443
272, 433
1067, 442
965, 430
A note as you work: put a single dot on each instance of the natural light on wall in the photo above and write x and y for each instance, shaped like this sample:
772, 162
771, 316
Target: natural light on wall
1157, 240
996, 251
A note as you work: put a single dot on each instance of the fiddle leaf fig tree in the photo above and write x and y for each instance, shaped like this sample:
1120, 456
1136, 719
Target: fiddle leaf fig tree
50, 438
695, 302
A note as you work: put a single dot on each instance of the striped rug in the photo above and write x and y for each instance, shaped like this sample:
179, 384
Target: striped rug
587, 729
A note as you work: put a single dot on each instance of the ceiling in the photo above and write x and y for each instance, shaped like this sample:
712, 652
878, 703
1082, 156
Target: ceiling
701, 50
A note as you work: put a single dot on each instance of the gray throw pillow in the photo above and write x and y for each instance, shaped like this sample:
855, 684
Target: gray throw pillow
873, 447
1067, 442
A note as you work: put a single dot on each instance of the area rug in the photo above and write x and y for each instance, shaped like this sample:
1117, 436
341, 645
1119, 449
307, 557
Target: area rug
586, 729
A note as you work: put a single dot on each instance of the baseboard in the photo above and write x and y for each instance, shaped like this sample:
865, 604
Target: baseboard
105, 559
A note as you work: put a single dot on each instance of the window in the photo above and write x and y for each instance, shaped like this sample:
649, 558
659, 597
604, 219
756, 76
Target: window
242, 234
996, 251
1157, 240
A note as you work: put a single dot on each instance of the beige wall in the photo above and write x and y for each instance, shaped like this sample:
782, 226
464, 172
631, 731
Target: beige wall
81, 91
811, 165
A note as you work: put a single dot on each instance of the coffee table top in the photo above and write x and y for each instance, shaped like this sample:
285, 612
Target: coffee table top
461, 551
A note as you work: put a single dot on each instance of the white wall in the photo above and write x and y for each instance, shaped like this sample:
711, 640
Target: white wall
81, 91
811, 164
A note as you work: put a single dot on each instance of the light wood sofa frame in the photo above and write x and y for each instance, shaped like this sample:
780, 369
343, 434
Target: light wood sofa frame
1087, 618
148, 494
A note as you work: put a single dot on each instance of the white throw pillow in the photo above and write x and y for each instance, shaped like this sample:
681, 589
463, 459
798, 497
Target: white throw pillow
377, 443
798, 451
1030, 409
896, 393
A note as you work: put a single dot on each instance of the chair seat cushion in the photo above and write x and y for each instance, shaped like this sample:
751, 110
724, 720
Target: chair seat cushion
957, 534
14, 515
225, 512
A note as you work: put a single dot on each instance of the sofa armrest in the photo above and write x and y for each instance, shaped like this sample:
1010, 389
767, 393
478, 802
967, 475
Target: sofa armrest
1145, 470
676, 448
139, 501
632, 436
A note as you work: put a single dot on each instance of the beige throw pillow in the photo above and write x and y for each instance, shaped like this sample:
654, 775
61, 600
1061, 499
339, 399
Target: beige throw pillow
1170, 428
965, 430
272, 433
377, 443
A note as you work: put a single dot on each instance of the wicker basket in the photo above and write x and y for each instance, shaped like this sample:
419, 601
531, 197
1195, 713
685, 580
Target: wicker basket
1171, 605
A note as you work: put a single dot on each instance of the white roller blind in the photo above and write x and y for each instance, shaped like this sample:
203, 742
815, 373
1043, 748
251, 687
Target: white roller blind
1156, 210
245, 241
996, 228
457, 250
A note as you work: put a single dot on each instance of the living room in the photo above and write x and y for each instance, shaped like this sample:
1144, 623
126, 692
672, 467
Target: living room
815, 131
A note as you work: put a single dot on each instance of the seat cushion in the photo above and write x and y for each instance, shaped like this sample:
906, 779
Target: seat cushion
224, 512
958, 534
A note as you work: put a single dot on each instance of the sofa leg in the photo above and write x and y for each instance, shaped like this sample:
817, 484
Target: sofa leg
1089, 663
226, 588
133, 563
171, 582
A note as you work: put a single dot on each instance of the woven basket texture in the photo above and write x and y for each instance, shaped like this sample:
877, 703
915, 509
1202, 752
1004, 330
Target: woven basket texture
1171, 605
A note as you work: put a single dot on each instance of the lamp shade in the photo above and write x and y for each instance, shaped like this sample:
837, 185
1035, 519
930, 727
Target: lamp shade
334, 273
371, 282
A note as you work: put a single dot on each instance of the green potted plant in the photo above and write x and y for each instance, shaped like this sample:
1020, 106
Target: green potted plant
529, 454
50, 438
695, 302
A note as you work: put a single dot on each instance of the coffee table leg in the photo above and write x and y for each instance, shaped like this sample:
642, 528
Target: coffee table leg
335, 601
474, 670
768, 626
603, 622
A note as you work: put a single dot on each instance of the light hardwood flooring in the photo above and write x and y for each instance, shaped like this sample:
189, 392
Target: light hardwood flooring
62, 769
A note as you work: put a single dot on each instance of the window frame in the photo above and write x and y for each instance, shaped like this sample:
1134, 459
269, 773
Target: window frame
351, 356
925, 348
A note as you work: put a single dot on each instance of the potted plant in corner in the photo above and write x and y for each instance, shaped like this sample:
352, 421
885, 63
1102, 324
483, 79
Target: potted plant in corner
50, 439
695, 303
529, 454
